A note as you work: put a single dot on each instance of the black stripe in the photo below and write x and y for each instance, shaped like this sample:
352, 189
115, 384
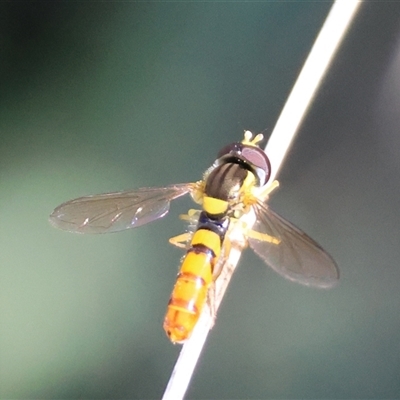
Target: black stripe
218, 226
223, 179
185, 305
202, 249
215, 181
190, 277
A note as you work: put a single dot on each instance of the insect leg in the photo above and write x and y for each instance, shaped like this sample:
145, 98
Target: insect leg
181, 240
269, 189
263, 237
250, 233
192, 216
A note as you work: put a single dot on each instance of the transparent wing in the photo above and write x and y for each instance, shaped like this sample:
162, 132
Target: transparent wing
297, 257
113, 212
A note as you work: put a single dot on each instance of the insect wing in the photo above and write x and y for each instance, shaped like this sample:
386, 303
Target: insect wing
296, 257
113, 212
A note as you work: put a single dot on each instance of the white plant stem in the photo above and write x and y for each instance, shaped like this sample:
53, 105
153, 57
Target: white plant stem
317, 63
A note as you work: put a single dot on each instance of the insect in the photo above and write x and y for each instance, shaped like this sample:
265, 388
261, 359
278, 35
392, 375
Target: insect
237, 183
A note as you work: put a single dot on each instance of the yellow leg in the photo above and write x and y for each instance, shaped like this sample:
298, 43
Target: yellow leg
192, 216
269, 189
255, 196
262, 237
182, 240
250, 233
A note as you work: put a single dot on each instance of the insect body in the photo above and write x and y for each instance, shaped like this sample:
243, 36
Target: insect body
222, 189
236, 184
195, 277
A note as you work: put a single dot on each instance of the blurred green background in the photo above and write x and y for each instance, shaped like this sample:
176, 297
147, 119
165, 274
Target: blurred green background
104, 96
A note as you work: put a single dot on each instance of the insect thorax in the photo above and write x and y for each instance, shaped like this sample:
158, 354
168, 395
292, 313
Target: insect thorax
227, 187
224, 187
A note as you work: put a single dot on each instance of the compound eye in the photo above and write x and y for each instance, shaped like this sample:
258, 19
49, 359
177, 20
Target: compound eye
233, 148
255, 156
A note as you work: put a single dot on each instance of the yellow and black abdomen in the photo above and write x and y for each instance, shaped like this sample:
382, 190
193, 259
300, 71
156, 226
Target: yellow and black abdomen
197, 271
194, 279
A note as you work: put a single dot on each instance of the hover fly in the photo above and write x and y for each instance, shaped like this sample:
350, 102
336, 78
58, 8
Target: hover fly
237, 183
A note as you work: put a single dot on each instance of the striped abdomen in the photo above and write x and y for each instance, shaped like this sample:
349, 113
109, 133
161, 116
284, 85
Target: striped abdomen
194, 279
197, 271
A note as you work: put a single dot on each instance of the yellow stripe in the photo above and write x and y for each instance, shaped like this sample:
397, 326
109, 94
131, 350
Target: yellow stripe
214, 206
209, 239
198, 265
